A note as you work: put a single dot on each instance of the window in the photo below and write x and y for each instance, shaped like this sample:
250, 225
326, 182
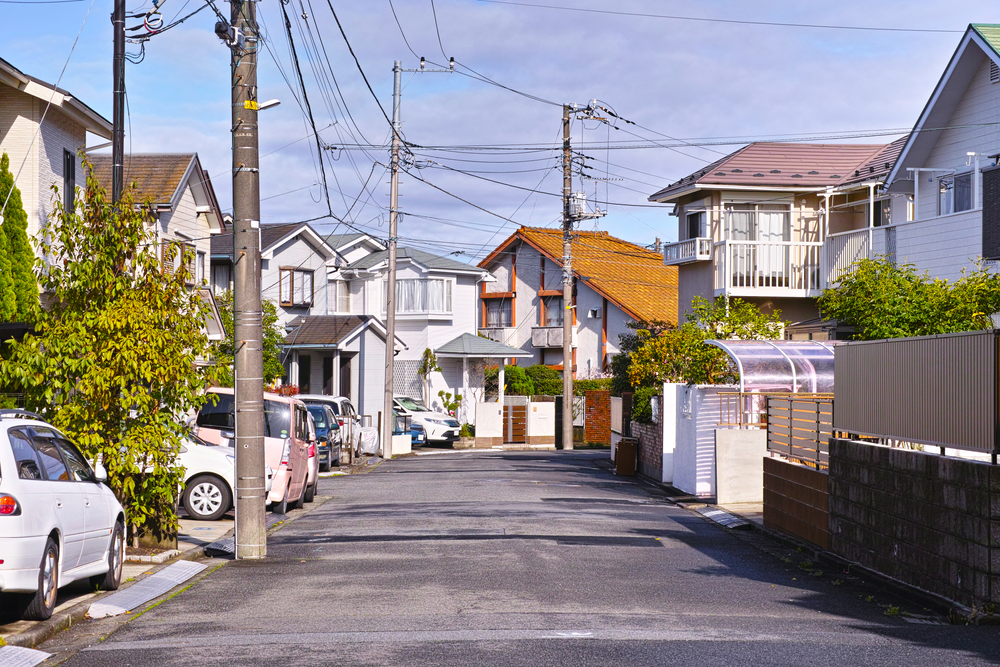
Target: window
276, 418
696, 225
220, 279
497, 313
78, 465
552, 311
25, 457
420, 295
883, 212
301, 423
295, 287
48, 452
173, 254
219, 414
69, 181
955, 193
340, 296
199, 273
305, 373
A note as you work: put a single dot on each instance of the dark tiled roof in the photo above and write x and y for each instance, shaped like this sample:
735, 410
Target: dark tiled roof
222, 244
630, 276
322, 329
419, 256
779, 165
156, 176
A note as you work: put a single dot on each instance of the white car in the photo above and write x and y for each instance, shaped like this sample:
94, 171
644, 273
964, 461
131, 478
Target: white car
343, 409
58, 522
438, 426
209, 478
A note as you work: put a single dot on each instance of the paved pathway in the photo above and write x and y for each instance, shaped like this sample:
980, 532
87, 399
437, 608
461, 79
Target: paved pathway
523, 559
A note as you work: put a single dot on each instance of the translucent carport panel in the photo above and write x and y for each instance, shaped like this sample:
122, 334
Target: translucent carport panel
781, 365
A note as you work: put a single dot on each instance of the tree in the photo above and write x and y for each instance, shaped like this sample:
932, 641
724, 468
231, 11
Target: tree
516, 381
274, 337
547, 382
886, 300
114, 362
629, 343
20, 255
428, 365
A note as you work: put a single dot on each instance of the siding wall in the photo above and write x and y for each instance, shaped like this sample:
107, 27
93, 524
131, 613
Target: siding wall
295, 253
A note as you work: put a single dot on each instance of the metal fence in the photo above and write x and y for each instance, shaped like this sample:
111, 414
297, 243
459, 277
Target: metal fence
749, 409
799, 427
930, 390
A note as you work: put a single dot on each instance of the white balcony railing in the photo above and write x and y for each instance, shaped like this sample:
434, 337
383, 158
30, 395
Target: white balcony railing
690, 250
843, 250
777, 268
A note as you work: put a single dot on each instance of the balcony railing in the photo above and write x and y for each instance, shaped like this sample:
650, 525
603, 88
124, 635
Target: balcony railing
843, 250
690, 250
777, 268
549, 336
502, 335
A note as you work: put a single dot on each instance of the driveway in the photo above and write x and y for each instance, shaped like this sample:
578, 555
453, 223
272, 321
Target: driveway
489, 558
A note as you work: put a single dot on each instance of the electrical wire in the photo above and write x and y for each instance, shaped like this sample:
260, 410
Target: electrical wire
438, 29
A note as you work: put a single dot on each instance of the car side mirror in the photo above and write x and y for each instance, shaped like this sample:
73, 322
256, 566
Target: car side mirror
100, 474
228, 434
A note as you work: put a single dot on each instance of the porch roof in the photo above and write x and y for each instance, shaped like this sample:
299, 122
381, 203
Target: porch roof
471, 346
795, 366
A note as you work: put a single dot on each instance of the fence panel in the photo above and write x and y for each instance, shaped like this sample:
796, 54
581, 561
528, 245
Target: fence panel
799, 428
616, 414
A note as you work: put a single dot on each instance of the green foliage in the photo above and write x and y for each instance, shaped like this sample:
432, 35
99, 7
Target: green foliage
467, 431
581, 387
642, 409
449, 403
517, 382
274, 337
885, 300
681, 355
18, 251
629, 343
547, 381
114, 361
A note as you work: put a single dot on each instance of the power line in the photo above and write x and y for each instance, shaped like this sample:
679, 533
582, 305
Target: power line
400, 26
733, 21
358, 63
437, 29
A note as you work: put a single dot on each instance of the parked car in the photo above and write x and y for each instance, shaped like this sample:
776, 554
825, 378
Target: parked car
286, 441
210, 478
327, 435
438, 427
347, 416
417, 434
58, 522
312, 479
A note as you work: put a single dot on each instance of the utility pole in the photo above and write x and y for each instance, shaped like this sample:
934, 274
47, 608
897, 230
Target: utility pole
388, 423
251, 538
118, 117
567, 406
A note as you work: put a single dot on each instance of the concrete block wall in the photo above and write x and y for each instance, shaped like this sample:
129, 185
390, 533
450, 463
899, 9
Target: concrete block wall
650, 451
927, 520
597, 421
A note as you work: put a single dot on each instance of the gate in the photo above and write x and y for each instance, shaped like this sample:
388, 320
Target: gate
515, 418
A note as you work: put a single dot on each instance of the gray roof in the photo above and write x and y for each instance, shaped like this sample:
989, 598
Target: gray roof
222, 244
419, 256
322, 329
473, 346
337, 241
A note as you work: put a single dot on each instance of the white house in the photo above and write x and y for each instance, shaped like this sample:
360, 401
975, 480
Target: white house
615, 282
44, 128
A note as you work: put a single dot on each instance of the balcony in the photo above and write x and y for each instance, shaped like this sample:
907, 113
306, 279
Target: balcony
685, 252
547, 337
502, 335
768, 268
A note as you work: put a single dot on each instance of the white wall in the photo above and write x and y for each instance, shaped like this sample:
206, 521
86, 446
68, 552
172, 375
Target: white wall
296, 252
689, 434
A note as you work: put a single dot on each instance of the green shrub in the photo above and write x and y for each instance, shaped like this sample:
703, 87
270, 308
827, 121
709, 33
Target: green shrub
642, 410
467, 431
581, 387
548, 382
517, 382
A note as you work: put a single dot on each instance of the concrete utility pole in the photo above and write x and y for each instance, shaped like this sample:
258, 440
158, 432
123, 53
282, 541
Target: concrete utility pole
251, 538
388, 423
118, 117
567, 406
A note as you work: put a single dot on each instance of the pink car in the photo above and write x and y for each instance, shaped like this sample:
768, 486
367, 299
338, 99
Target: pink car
286, 442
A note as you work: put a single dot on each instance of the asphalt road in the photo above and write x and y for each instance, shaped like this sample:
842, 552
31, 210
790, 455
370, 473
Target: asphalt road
524, 559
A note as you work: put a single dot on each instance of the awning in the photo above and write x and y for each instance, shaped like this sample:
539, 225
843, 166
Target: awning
471, 346
795, 366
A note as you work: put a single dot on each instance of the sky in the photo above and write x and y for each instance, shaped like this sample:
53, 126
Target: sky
483, 159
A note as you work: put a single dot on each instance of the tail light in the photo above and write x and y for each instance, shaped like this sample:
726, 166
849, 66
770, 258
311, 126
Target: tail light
286, 451
312, 449
9, 506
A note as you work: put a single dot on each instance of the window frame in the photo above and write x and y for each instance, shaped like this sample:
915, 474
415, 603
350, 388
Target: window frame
447, 296
289, 298
545, 311
69, 181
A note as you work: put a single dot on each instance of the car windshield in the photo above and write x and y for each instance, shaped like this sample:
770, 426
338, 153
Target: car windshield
412, 405
217, 414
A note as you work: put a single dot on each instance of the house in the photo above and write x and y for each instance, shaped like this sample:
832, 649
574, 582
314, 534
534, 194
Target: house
435, 303
184, 210
615, 282
775, 223
948, 168
44, 128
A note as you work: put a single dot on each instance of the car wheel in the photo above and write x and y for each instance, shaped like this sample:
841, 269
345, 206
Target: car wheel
206, 498
40, 605
282, 507
111, 579
325, 466
310, 493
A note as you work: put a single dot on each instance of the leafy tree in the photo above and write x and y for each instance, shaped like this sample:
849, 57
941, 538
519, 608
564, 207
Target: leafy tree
547, 381
428, 365
274, 337
113, 361
450, 403
886, 300
516, 381
629, 343
21, 258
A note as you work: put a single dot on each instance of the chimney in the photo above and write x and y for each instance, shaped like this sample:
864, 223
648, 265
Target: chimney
657, 244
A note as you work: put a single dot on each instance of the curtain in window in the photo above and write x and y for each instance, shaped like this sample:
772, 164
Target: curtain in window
497, 313
553, 311
343, 297
304, 287
285, 287
422, 296
773, 227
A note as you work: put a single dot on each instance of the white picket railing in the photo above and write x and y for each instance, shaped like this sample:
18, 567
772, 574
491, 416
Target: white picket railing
689, 250
843, 250
745, 266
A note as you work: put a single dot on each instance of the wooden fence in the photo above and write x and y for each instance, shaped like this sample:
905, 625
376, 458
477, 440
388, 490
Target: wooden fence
799, 427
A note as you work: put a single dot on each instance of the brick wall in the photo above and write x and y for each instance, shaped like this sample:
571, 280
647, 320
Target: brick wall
650, 450
597, 417
927, 520
797, 501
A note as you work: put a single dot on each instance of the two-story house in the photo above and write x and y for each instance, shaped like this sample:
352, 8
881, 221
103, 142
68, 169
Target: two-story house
44, 128
615, 282
774, 224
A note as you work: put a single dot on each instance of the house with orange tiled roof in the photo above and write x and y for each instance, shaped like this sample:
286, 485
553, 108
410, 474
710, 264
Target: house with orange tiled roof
615, 282
776, 223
